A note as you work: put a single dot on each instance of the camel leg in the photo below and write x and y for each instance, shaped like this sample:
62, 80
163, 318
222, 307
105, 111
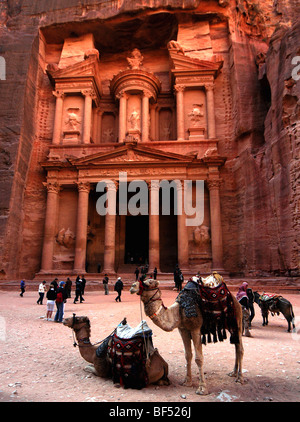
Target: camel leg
185, 335
196, 337
237, 370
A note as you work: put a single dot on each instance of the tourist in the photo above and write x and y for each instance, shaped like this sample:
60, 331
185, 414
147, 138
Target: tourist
118, 288
61, 298
22, 287
78, 290
180, 280
154, 273
83, 283
68, 287
243, 299
55, 284
105, 284
137, 272
51, 296
250, 295
42, 290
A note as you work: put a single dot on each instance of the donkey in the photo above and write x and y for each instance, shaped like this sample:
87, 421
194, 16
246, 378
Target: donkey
275, 304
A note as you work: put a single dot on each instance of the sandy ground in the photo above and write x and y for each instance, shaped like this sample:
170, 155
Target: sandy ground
39, 363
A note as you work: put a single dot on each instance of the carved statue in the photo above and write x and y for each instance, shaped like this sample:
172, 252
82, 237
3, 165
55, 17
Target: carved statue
134, 120
201, 235
65, 238
72, 121
196, 115
135, 60
174, 45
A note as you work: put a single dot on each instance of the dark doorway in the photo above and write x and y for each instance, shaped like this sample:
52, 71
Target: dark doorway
137, 240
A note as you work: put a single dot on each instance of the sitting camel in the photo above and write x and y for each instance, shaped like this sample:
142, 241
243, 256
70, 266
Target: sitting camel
169, 318
156, 366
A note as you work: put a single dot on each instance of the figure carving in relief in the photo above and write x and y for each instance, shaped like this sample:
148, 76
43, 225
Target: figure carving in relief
201, 235
65, 238
174, 45
72, 121
134, 120
108, 135
196, 114
135, 60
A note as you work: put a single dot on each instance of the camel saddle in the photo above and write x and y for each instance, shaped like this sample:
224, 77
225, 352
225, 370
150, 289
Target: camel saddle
217, 309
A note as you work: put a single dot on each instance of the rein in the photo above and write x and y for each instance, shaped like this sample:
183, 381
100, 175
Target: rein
84, 339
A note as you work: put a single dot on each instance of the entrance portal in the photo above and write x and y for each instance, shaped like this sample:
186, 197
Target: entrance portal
137, 240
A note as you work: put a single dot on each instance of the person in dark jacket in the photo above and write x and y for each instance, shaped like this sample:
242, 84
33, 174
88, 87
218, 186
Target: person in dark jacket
118, 288
78, 290
61, 298
51, 296
22, 287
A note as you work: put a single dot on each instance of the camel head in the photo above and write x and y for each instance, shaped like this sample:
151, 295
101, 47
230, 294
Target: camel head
139, 286
76, 322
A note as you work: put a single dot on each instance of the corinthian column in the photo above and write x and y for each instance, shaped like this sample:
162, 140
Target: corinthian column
122, 116
58, 117
88, 101
50, 225
110, 229
180, 111
210, 111
216, 225
145, 116
81, 226
182, 233
154, 256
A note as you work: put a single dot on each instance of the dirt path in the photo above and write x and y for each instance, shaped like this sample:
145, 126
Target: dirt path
39, 363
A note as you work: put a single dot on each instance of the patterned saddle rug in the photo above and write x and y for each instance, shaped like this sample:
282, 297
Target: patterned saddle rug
128, 358
217, 309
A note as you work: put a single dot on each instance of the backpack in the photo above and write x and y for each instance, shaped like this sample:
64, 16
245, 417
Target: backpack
59, 297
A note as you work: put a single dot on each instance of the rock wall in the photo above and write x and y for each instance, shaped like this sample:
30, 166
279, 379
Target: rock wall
258, 128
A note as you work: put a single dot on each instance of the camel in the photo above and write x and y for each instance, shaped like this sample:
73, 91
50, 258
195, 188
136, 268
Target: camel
169, 318
156, 366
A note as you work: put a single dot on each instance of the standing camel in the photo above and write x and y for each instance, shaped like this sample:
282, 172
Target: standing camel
169, 318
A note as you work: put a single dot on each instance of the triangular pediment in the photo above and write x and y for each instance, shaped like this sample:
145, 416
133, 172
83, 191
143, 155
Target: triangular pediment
181, 62
127, 154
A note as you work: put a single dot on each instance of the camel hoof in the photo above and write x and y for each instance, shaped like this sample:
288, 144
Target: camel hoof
240, 379
202, 391
232, 374
187, 383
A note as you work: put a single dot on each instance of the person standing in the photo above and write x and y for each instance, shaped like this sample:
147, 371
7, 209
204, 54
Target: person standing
105, 284
118, 288
42, 290
137, 272
78, 290
51, 296
68, 287
22, 287
83, 283
61, 298
55, 284
244, 302
154, 273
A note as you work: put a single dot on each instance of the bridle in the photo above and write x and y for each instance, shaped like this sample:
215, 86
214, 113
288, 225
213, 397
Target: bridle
144, 287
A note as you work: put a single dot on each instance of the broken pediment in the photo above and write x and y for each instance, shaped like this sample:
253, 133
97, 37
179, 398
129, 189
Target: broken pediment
130, 154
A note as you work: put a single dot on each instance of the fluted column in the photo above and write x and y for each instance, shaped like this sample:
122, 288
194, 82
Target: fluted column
122, 116
53, 190
179, 89
81, 226
88, 101
182, 233
153, 123
216, 225
110, 229
154, 255
58, 117
145, 116
210, 111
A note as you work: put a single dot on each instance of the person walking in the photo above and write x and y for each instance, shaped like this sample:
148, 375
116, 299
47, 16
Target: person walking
42, 290
118, 288
105, 284
78, 290
244, 302
61, 298
22, 287
83, 283
68, 287
51, 297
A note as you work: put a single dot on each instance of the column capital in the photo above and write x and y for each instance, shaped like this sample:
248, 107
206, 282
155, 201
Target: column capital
153, 184
209, 86
59, 94
179, 88
214, 184
89, 93
83, 186
112, 185
53, 187
121, 94
147, 94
